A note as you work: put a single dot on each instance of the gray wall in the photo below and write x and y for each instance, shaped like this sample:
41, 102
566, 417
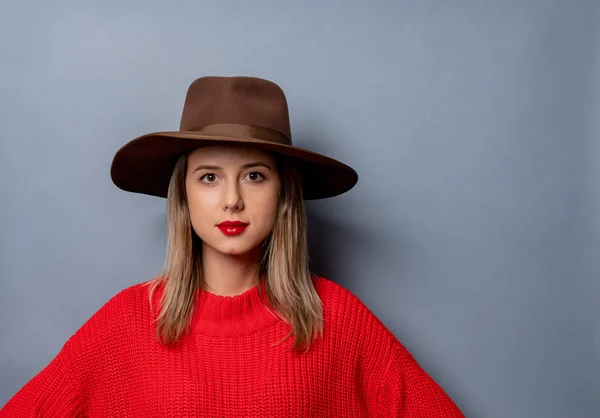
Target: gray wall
474, 230
592, 226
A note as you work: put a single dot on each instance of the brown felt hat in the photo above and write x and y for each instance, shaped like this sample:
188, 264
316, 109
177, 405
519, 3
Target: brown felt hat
230, 110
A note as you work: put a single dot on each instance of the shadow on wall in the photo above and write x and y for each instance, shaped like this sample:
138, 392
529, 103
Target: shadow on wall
343, 237
337, 248
327, 241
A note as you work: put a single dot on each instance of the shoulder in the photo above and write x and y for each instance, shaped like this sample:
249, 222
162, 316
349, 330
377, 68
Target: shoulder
108, 334
346, 313
115, 316
336, 297
402, 387
122, 303
333, 292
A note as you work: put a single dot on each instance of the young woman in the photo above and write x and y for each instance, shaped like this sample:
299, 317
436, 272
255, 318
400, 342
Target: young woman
236, 325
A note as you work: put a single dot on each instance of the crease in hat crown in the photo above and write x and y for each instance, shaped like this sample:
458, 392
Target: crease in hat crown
231, 105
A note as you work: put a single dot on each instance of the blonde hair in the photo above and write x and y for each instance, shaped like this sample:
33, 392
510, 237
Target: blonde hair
289, 287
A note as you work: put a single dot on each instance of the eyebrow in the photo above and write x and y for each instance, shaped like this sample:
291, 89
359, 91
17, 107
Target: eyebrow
245, 166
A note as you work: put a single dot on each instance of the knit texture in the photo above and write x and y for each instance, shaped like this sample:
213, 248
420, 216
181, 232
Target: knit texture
113, 366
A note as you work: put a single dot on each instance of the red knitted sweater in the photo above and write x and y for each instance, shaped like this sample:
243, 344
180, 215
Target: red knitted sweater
226, 366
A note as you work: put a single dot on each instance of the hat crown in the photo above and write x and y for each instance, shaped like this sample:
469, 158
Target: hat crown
248, 101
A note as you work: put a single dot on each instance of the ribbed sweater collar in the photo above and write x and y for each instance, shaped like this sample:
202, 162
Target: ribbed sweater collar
231, 316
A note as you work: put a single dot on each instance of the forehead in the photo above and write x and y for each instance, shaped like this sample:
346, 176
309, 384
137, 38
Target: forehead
226, 153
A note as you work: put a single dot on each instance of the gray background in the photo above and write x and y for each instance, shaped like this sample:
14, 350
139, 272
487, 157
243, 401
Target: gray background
474, 230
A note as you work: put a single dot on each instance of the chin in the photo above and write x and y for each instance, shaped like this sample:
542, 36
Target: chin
235, 249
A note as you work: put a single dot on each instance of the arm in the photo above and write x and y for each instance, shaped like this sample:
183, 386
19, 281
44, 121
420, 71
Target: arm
61, 389
407, 391
51, 393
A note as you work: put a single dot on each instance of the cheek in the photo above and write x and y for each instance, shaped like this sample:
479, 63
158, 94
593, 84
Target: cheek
201, 212
267, 206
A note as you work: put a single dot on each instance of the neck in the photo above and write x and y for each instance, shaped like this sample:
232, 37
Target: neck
229, 275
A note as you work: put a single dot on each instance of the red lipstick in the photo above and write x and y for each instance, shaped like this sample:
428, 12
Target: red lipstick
231, 228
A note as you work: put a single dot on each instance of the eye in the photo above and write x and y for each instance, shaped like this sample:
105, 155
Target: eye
255, 177
208, 178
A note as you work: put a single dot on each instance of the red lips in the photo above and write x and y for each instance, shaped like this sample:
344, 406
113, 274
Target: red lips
231, 228
233, 223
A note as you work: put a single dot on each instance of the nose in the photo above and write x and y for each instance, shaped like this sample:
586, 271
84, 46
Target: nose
233, 198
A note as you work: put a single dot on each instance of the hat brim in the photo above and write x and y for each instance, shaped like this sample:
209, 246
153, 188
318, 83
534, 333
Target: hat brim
145, 164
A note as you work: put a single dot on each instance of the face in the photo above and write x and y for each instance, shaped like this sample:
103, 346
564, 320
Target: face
232, 183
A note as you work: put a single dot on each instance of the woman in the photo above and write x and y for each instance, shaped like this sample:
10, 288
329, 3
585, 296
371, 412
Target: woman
236, 325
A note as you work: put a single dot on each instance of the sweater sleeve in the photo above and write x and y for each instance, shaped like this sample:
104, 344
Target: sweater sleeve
50, 393
408, 391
